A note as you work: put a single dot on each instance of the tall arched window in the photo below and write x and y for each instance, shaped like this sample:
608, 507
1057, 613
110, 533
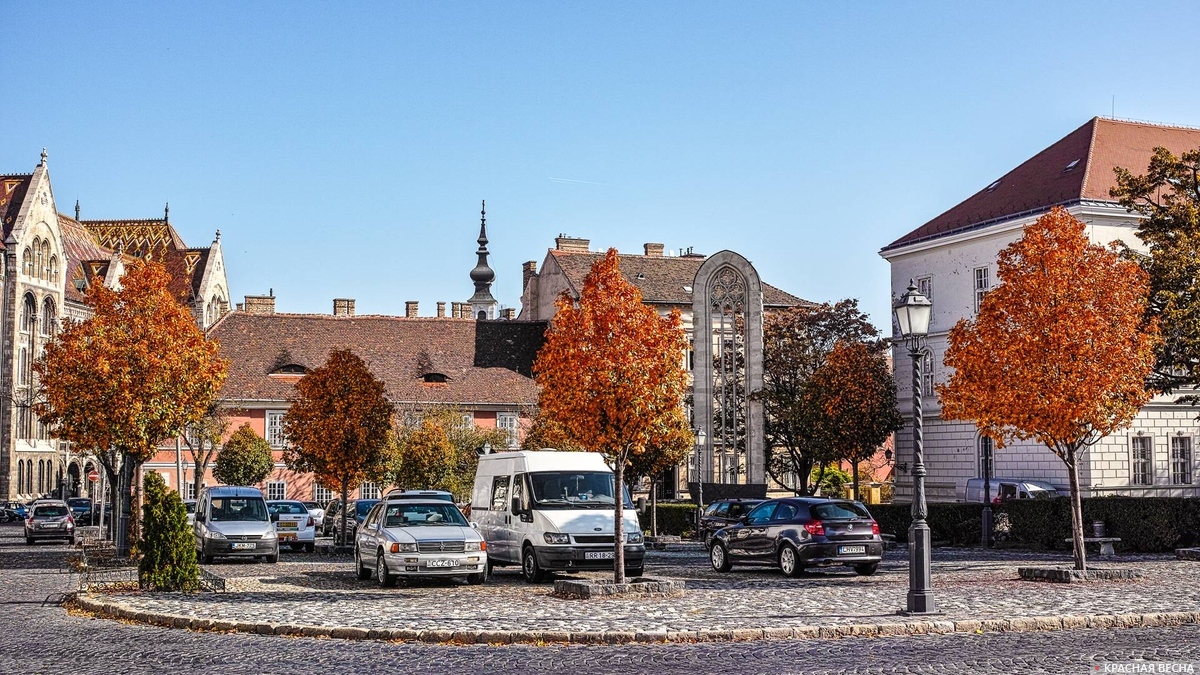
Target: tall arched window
44, 267
20, 476
987, 456
27, 262
28, 313
37, 258
54, 268
23, 366
49, 317
29, 475
41, 476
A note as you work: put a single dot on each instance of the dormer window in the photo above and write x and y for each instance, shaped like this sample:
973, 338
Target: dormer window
1074, 163
290, 369
434, 378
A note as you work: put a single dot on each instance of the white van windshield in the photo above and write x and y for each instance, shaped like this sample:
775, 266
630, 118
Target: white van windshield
225, 509
574, 490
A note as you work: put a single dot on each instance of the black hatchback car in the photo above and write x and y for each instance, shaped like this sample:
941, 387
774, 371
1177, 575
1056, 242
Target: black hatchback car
799, 532
723, 513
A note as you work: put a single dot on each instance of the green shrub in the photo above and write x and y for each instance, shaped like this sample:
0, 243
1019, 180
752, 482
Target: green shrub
168, 551
952, 522
246, 458
673, 518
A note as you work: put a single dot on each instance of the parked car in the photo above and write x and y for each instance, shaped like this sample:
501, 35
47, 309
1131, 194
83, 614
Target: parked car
318, 514
234, 522
420, 494
332, 508
1005, 489
548, 511
190, 505
797, 532
361, 507
50, 519
294, 525
81, 510
723, 513
18, 508
418, 538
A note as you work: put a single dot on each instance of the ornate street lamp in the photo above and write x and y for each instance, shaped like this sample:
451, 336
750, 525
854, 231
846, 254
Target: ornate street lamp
701, 438
912, 314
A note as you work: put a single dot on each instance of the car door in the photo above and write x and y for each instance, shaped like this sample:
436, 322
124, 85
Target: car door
500, 534
200, 523
714, 519
368, 535
783, 519
748, 541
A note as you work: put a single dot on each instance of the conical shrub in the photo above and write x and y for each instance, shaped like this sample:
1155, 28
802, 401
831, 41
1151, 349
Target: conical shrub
168, 550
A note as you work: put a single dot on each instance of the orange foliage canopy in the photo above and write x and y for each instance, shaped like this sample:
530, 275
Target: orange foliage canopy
1060, 350
134, 373
611, 371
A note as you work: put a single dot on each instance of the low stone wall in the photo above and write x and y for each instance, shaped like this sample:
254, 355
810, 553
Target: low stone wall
584, 589
1066, 576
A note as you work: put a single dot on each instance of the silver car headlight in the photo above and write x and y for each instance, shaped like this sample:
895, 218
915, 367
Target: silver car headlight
269, 535
473, 546
410, 547
213, 534
557, 538
633, 538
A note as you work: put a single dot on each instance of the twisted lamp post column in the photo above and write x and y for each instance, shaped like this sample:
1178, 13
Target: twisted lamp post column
913, 314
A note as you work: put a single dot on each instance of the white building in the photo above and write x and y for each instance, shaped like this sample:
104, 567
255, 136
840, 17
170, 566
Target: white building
953, 259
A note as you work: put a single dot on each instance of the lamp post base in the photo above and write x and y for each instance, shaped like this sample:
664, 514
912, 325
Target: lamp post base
920, 586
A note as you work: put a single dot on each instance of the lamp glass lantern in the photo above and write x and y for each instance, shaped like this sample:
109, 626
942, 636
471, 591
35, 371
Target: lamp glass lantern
913, 312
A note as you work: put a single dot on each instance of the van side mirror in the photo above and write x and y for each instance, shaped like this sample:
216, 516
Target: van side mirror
516, 506
200, 518
274, 517
474, 525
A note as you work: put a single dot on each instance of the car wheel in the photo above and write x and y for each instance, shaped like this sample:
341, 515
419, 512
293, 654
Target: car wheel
386, 579
635, 571
529, 567
719, 557
310, 547
490, 568
273, 558
207, 559
364, 573
476, 579
866, 569
789, 561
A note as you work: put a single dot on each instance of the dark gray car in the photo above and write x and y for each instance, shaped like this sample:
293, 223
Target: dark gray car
796, 533
50, 519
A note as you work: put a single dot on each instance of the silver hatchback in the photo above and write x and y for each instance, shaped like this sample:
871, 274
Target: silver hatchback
418, 538
50, 519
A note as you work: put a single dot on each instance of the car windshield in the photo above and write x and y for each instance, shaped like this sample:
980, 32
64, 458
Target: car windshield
838, 511
407, 515
238, 508
363, 506
50, 511
574, 489
79, 502
288, 508
311, 505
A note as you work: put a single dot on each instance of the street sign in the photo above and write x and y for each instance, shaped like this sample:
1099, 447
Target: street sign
93, 475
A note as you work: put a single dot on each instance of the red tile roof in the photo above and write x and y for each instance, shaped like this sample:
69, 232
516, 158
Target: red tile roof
12, 193
1049, 178
80, 248
665, 280
485, 362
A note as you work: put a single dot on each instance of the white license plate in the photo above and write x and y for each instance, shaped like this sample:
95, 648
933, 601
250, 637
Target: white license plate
598, 555
442, 563
850, 550
242, 546
286, 526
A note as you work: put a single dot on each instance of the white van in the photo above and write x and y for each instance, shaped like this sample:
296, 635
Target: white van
1006, 489
546, 511
234, 522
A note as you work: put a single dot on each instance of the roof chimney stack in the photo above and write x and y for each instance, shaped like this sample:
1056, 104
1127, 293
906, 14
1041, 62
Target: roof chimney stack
571, 244
259, 304
653, 250
508, 314
410, 309
441, 310
343, 306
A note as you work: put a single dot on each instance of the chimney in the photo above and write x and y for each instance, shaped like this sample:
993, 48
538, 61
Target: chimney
653, 250
508, 314
260, 304
410, 309
241, 306
343, 306
454, 310
571, 244
528, 271
441, 310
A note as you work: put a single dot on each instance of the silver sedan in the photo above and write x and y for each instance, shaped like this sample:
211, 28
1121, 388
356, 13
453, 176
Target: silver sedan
418, 538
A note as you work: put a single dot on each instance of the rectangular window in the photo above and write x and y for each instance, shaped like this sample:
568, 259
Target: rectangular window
322, 495
468, 420
500, 493
927, 374
925, 286
276, 489
981, 285
509, 423
189, 489
275, 429
368, 491
1141, 462
1181, 460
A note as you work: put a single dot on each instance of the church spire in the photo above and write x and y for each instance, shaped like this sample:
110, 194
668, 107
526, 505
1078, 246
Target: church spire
483, 305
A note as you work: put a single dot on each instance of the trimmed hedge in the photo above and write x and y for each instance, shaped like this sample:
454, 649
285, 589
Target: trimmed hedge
1144, 524
673, 518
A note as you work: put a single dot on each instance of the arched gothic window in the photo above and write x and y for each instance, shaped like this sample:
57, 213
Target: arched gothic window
27, 262
49, 317
54, 268
29, 475
987, 456
41, 484
20, 476
44, 272
28, 314
38, 259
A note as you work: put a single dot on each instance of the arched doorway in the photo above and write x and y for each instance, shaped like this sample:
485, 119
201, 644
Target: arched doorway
74, 482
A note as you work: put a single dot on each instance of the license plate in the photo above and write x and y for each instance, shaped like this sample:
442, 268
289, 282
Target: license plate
598, 555
849, 550
286, 526
287, 537
442, 563
242, 546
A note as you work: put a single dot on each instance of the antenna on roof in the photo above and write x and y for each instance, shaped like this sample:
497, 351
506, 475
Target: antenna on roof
1114, 106
167, 213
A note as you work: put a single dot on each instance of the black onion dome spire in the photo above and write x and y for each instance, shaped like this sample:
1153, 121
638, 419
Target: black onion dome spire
482, 275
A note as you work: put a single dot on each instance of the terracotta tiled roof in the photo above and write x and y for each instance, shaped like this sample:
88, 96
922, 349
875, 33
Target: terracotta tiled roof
12, 194
485, 362
135, 237
80, 248
1078, 167
665, 280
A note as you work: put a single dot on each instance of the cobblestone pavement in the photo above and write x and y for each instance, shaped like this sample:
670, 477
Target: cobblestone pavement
43, 638
969, 584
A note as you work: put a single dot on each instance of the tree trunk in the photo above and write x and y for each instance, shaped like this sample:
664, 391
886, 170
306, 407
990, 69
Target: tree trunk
619, 521
854, 472
1076, 511
653, 507
345, 509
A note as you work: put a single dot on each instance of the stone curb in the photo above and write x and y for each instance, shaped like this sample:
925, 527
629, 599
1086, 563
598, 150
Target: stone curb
116, 610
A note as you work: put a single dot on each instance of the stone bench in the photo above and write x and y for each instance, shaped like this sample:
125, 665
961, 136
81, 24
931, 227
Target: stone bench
1106, 544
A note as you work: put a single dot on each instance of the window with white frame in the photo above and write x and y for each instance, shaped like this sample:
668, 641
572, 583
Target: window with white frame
927, 373
987, 456
982, 284
276, 489
275, 436
322, 495
1141, 460
925, 286
509, 423
189, 489
1181, 460
468, 419
368, 491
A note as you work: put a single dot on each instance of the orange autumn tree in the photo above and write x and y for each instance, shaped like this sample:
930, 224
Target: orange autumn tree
135, 373
612, 380
1059, 352
339, 425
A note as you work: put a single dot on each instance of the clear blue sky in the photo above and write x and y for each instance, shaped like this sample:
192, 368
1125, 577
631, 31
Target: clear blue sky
343, 148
